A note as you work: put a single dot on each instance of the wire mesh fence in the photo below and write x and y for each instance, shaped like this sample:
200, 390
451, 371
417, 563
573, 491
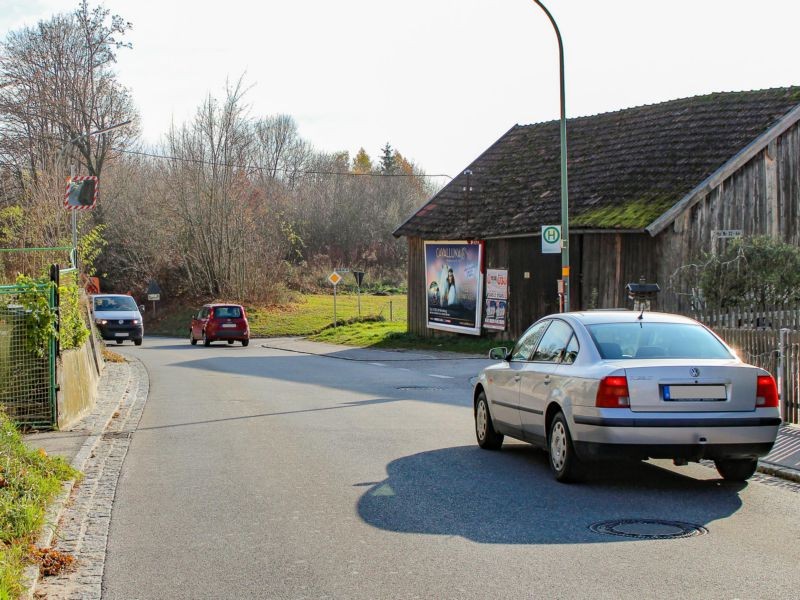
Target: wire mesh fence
27, 363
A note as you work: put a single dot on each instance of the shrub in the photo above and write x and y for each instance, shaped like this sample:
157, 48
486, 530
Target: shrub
29, 481
758, 270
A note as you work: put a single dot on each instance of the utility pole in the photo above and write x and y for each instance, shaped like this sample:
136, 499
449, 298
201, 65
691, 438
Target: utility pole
565, 274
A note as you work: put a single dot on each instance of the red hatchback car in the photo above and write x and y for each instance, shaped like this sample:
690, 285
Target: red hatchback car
217, 322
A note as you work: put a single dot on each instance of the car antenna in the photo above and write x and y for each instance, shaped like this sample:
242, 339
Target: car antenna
641, 314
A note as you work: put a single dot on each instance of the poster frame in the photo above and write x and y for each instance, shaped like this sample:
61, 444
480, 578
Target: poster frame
478, 316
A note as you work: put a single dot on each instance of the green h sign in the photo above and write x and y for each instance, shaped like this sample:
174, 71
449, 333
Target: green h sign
551, 239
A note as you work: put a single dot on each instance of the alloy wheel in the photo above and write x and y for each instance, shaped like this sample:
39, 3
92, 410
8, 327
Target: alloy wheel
481, 420
558, 446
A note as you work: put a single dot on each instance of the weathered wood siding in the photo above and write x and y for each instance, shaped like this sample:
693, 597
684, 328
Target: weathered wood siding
417, 317
528, 298
761, 198
602, 265
609, 262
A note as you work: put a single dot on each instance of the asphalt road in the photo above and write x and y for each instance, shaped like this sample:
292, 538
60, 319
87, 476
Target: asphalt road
262, 473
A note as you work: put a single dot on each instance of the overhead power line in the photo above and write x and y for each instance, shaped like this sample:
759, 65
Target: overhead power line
198, 161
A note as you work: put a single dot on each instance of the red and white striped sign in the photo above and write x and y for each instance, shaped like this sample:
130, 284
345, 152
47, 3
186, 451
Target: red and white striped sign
75, 197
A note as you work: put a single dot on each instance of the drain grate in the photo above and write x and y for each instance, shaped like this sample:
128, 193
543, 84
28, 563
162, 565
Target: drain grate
649, 529
407, 388
117, 435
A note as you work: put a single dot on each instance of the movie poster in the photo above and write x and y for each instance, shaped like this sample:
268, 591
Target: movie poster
496, 299
454, 286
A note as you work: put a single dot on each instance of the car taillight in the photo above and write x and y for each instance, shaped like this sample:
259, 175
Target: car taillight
613, 393
766, 392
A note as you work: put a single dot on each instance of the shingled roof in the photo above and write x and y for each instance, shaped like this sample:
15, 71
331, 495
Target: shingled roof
626, 168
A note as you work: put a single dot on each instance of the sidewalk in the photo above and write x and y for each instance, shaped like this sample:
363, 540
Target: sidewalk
784, 460
96, 446
68, 443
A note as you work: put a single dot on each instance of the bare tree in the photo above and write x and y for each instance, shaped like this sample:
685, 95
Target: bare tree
57, 84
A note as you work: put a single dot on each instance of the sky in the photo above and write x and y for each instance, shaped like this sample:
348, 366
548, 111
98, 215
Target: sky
439, 80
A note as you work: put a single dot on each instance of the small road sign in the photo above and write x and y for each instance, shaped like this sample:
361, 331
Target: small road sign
154, 297
551, 239
334, 278
726, 233
359, 275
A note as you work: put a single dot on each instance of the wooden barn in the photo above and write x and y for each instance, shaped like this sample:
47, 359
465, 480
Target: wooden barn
649, 189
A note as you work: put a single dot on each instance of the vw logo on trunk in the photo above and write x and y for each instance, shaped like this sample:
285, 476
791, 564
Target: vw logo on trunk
694, 372
121, 321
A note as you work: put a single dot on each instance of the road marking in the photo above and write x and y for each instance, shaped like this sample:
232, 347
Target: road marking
378, 364
441, 376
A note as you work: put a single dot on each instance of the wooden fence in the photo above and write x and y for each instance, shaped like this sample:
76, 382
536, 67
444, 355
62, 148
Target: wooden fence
762, 348
784, 317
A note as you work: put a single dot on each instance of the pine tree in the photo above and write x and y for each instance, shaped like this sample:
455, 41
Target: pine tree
388, 159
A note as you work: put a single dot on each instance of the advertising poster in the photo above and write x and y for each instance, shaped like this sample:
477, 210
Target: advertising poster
454, 285
496, 299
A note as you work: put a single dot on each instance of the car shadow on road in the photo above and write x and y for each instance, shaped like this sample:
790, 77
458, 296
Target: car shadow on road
510, 497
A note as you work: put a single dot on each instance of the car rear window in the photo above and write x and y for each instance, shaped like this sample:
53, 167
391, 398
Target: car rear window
228, 312
655, 340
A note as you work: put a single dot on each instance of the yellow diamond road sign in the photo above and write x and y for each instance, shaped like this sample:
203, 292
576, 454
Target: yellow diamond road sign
334, 278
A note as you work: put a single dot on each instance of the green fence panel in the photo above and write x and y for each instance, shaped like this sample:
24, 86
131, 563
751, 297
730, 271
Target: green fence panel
27, 372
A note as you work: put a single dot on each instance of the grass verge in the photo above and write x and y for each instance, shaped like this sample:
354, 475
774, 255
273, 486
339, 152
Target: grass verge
395, 335
309, 315
29, 481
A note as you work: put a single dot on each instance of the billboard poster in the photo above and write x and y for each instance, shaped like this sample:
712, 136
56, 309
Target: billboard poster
454, 286
496, 299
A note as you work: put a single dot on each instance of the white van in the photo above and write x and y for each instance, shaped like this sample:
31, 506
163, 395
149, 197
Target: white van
118, 318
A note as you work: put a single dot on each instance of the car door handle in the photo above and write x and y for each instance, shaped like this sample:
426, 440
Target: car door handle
547, 380
516, 377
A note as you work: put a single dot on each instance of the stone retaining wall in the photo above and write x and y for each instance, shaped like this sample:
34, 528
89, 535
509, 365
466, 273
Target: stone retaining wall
78, 373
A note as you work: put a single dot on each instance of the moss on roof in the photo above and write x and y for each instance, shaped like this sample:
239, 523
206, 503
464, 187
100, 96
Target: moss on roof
632, 214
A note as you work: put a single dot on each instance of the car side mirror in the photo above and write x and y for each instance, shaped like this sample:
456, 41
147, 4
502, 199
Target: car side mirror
141, 308
500, 353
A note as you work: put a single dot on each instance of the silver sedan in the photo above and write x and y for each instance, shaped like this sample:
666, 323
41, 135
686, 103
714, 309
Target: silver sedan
599, 385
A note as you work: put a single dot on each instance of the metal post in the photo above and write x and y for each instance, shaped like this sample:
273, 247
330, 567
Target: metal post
565, 274
358, 293
334, 306
781, 371
74, 221
391, 315
62, 154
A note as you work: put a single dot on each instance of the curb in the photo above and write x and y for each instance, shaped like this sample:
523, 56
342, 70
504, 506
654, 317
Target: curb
56, 509
779, 471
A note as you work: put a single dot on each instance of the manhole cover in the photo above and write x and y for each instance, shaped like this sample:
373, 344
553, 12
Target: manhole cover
649, 529
116, 435
418, 387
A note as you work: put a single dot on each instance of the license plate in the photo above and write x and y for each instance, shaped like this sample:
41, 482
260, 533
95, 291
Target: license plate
229, 325
697, 393
121, 334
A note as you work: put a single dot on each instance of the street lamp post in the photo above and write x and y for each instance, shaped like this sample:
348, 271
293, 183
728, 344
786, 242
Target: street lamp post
564, 193
72, 174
